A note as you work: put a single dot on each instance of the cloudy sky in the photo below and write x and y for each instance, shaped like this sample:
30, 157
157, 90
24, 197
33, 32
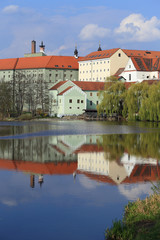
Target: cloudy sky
62, 24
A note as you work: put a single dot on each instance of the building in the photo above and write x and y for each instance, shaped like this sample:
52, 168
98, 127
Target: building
99, 65
140, 68
39, 66
74, 97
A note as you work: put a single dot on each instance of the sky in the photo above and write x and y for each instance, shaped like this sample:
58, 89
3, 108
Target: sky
63, 24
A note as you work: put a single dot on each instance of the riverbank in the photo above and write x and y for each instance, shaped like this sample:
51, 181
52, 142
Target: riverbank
141, 221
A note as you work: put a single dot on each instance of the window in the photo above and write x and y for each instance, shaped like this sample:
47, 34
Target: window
97, 102
129, 66
78, 101
97, 94
90, 94
56, 75
129, 77
119, 54
56, 65
90, 103
70, 107
70, 100
81, 101
77, 107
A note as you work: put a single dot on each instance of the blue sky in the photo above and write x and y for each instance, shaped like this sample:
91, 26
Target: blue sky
62, 24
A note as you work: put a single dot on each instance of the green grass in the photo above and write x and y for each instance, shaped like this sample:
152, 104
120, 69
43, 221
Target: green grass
141, 221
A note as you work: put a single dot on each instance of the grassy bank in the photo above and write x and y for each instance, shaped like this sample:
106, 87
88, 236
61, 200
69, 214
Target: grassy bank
141, 220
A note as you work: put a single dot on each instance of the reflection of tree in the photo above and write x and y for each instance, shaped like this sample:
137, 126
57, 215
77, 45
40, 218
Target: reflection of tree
143, 145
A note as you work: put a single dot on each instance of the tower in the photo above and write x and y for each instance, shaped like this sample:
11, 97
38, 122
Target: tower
33, 47
76, 52
42, 47
99, 49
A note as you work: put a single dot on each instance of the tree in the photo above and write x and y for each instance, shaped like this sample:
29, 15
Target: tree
5, 99
112, 98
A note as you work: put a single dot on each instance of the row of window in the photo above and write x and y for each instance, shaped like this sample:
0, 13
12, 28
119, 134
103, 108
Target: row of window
78, 101
94, 79
98, 62
94, 71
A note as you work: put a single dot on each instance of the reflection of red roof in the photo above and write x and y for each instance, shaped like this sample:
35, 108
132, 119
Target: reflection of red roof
98, 178
39, 168
142, 173
89, 148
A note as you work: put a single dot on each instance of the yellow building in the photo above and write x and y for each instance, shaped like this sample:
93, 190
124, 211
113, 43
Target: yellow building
99, 65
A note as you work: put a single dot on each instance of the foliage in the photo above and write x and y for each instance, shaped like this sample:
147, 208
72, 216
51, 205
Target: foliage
111, 99
141, 221
140, 145
140, 102
25, 116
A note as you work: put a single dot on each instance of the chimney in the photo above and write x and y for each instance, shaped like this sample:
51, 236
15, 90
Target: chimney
33, 46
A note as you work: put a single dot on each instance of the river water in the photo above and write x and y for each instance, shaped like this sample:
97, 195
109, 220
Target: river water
71, 179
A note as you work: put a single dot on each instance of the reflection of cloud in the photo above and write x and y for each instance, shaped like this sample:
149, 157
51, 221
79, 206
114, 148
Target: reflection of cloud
11, 9
9, 203
132, 192
86, 182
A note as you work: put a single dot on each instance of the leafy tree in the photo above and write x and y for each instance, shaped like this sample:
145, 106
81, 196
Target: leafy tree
112, 98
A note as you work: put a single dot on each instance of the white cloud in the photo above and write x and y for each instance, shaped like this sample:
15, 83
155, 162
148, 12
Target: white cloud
57, 51
91, 31
136, 28
11, 9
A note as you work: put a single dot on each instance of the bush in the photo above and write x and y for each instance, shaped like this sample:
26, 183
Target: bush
25, 116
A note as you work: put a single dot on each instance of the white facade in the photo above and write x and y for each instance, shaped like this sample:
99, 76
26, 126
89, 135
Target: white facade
131, 74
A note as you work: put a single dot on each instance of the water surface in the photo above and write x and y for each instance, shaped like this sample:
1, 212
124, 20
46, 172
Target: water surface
70, 179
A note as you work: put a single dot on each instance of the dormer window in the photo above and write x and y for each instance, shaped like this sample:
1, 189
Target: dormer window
119, 54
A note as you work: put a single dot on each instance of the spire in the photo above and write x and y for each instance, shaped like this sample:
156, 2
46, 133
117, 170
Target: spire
99, 49
76, 52
42, 47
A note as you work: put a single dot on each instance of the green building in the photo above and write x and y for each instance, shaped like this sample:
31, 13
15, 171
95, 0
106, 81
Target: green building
74, 97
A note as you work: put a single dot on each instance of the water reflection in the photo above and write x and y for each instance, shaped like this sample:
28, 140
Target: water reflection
112, 159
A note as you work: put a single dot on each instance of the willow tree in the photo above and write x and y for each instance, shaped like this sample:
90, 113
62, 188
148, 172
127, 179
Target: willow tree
150, 107
112, 97
133, 100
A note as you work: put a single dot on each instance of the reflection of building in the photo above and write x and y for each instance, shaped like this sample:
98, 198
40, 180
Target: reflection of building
95, 164
72, 154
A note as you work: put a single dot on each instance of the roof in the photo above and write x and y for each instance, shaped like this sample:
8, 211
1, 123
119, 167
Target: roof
99, 54
90, 86
89, 148
130, 53
8, 64
56, 86
61, 93
58, 62
120, 70
142, 53
85, 86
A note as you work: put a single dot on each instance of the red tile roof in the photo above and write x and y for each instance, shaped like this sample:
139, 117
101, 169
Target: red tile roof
89, 148
8, 64
100, 54
61, 93
56, 86
142, 53
90, 86
58, 62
